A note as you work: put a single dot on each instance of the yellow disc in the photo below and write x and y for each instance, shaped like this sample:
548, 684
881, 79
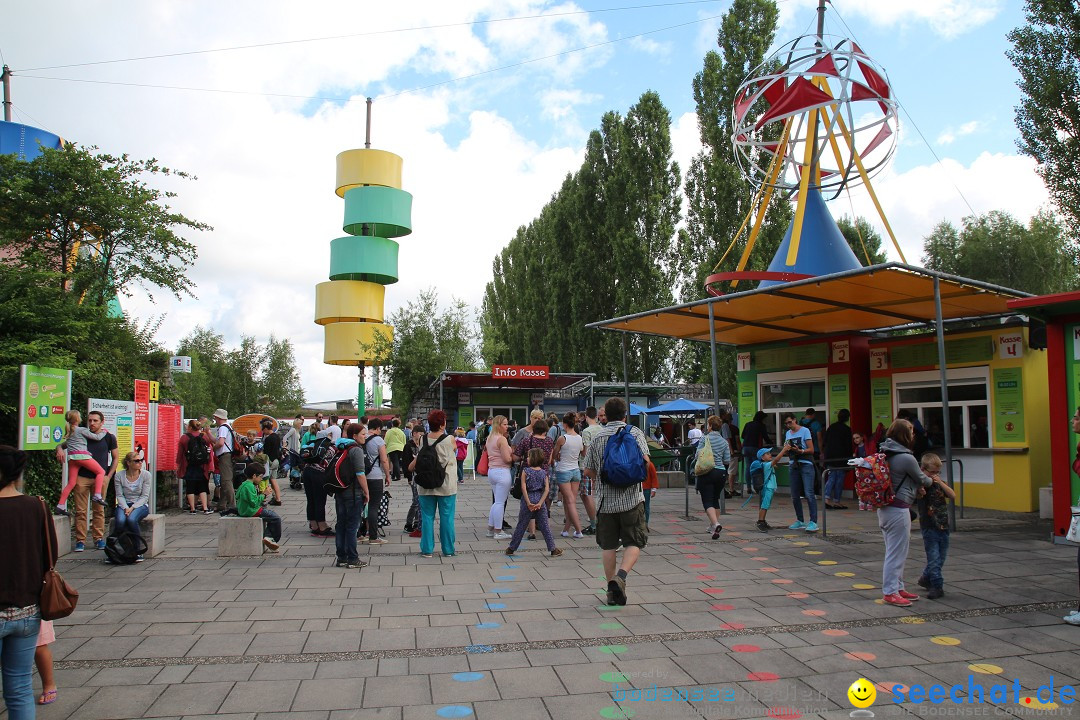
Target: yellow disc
844, 574
812, 552
826, 562
348, 301
911, 620
367, 167
942, 640
985, 669
1036, 704
862, 586
800, 544
352, 343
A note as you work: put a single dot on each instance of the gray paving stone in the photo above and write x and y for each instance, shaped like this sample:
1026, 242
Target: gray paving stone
215, 645
201, 699
329, 694
260, 696
396, 691
537, 682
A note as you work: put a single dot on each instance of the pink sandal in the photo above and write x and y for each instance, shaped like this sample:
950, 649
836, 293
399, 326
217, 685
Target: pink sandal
47, 697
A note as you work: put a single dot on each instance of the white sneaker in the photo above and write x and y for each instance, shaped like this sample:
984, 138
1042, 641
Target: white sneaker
578, 535
501, 536
491, 533
565, 534
1072, 619
270, 544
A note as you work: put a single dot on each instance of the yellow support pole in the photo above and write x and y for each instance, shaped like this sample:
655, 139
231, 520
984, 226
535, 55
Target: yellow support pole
774, 172
804, 186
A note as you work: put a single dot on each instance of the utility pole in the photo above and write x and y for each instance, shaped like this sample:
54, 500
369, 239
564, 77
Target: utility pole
6, 78
361, 400
812, 132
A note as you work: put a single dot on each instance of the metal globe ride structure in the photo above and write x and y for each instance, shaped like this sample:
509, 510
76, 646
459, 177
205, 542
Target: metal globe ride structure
816, 119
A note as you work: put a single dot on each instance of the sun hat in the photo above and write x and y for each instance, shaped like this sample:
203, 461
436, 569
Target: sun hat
221, 413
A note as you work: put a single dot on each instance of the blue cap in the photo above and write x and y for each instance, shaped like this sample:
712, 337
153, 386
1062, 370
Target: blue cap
763, 452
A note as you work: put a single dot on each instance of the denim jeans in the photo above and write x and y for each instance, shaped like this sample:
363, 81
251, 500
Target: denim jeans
834, 484
349, 506
801, 482
648, 501
271, 524
18, 639
122, 522
446, 505
936, 543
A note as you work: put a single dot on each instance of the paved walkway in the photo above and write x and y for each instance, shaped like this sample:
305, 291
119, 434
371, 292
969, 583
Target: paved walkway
748, 626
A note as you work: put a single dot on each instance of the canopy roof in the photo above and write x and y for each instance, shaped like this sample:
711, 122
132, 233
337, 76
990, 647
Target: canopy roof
870, 298
636, 409
682, 406
1048, 306
484, 380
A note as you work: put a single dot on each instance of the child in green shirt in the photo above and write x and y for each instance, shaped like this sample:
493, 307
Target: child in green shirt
249, 503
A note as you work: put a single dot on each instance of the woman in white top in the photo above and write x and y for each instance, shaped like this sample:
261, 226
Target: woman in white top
567, 473
132, 485
500, 458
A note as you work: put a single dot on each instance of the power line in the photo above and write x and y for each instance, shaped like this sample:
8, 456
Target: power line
386, 96
371, 33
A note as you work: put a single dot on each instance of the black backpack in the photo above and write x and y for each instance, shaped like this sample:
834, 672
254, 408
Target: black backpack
429, 472
198, 451
125, 548
369, 462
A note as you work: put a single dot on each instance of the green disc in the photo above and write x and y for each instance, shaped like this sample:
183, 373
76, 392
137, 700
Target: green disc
372, 259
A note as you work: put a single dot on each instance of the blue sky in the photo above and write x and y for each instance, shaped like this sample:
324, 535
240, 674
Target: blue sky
482, 155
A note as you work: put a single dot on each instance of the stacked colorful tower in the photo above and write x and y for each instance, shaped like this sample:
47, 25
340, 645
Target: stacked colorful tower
350, 305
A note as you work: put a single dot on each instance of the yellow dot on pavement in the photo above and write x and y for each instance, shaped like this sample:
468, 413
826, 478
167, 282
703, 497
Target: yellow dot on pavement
879, 601
1035, 704
801, 543
826, 562
985, 669
909, 620
812, 552
862, 586
942, 640
844, 574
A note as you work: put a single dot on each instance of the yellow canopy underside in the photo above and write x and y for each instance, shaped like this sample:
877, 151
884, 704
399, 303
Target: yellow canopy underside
877, 297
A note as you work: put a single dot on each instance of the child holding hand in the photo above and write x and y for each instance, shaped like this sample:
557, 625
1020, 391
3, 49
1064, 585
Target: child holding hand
934, 520
534, 494
763, 482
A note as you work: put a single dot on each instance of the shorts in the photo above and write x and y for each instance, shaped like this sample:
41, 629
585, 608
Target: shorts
766, 498
47, 634
566, 476
626, 528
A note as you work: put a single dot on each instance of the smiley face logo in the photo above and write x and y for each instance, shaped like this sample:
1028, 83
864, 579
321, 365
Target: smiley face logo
862, 693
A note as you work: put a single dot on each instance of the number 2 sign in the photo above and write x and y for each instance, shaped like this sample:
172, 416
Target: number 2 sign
841, 352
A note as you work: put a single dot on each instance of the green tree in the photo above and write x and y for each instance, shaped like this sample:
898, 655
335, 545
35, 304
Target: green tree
863, 239
718, 198
1047, 55
280, 382
997, 248
427, 340
94, 221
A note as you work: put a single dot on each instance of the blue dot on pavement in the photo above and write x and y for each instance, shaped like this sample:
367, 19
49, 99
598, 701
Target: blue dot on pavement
501, 590
488, 625
496, 606
512, 567
505, 578
478, 649
454, 711
468, 676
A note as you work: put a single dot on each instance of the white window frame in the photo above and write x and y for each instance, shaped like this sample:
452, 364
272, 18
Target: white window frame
933, 378
787, 376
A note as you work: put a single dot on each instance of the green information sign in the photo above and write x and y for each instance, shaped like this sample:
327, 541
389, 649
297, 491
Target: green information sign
44, 399
787, 357
881, 411
957, 352
1008, 405
747, 400
839, 395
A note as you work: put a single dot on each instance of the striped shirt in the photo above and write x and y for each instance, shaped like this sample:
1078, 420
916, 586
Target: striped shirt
611, 499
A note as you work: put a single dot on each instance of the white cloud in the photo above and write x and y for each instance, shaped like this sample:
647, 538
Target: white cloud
949, 134
650, 46
947, 18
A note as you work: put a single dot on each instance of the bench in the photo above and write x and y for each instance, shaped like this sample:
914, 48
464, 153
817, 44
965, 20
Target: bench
240, 536
152, 528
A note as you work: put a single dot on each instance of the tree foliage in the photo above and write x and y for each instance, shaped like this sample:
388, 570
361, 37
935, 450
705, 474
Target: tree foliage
1047, 55
603, 246
863, 239
997, 248
427, 340
95, 222
718, 197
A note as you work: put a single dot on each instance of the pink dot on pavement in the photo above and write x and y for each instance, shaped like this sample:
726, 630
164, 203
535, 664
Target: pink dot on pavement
813, 613
834, 632
722, 606
688, 548
705, 578
693, 557
759, 558
763, 677
865, 656
732, 626
770, 569
782, 581
745, 648
798, 596
783, 713
714, 591
698, 566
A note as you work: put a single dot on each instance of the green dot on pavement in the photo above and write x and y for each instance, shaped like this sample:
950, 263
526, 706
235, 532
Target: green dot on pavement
616, 713
611, 608
612, 649
614, 677
611, 626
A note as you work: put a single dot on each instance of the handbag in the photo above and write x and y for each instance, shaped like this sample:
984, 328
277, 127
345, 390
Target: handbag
705, 461
482, 466
58, 599
1074, 528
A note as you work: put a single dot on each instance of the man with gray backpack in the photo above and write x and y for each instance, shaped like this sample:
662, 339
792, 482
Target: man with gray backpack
617, 456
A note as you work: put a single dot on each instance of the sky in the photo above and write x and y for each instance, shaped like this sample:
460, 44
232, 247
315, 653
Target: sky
489, 102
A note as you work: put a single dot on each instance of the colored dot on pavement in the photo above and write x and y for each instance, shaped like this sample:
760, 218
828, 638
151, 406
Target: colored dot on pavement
783, 713
813, 613
505, 578
910, 620
468, 676
501, 590
798, 596
612, 649
735, 533
782, 581
713, 591
706, 578
1036, 704
454, 711
985, 669
942, 640
691, 556
801, 543
611, 608
496, 606
844, 574
615, 713
732, 626
749, 549
721, 607
812, 552
611, 626
879, 601
887, 687
614, 677
687, 548
759, 558
862, 586
512, 567
865, 656
698, 566
826, 562
770, 569
488, 625
834, 632
478, 649
763, 677
745, 648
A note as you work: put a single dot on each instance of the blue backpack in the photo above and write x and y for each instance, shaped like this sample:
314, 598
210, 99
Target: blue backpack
624, 464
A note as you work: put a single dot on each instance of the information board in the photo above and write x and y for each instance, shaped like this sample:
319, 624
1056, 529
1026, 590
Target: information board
44, 399
881, 411
747, 400
785, 358
1008, 405
839, 395
169, 429
957, 352
119, 420
142, 419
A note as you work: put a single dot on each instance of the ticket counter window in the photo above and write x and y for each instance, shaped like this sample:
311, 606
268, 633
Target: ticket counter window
779, 398
968, 411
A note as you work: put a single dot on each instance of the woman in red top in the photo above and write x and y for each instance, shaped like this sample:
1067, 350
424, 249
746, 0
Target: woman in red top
193, 446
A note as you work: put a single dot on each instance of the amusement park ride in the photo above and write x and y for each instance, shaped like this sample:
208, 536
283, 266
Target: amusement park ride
816, 119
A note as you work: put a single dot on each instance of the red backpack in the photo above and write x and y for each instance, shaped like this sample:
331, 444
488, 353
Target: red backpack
873, 483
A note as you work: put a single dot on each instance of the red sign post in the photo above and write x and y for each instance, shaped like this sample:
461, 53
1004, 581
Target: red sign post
519, 372
169, 431
142, 420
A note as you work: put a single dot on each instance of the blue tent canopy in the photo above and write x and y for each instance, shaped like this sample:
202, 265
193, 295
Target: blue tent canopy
636, 409
681, 406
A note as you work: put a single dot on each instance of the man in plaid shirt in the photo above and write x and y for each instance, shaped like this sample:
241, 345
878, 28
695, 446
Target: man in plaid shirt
620, 511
